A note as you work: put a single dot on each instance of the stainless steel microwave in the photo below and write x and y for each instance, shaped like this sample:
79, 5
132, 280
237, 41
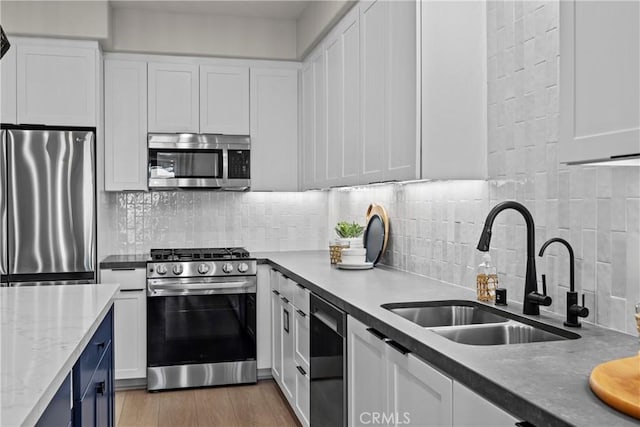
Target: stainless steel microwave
185, 160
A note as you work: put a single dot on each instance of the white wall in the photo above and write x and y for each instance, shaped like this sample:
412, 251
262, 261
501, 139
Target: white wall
72, 19
316, 20
192, 34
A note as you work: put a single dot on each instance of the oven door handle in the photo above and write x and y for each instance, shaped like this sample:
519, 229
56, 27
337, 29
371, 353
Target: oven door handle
176, 288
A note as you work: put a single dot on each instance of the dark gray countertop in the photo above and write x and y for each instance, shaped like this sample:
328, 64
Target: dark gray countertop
124, 261
543, 383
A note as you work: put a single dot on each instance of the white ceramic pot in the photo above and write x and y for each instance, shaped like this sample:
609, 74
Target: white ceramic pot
352, 242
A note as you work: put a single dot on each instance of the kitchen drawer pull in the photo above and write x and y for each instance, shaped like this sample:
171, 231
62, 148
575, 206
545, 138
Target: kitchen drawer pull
377, 334
300, 286
123, 269
301, 313
299, 368
398, 347
100, 388
285, 300
101, 344
525, 424
275, 292
131, 290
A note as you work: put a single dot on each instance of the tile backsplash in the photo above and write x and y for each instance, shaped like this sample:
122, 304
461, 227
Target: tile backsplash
435, 226
137, 221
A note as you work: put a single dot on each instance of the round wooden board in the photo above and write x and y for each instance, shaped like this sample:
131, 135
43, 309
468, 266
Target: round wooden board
375, 209
617, 383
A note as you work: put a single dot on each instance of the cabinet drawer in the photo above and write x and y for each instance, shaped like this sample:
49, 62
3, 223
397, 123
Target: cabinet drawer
287, 288
301, 298
274, 280
127, 278
90, 357
302, 339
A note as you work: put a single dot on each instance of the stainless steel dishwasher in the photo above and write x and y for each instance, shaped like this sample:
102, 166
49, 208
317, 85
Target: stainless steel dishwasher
328, 364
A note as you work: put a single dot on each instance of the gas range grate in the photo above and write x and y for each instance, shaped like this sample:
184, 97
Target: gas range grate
198, 254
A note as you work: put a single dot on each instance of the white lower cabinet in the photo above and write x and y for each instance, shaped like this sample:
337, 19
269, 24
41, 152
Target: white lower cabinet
288, 360
130, 322
290, 342
276, 328
470, 409
389, 386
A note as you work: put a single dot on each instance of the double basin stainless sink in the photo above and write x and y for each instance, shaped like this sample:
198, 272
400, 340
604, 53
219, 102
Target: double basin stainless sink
469, 322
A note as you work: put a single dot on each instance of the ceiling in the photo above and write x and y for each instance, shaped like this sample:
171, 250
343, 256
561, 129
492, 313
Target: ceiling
283, 9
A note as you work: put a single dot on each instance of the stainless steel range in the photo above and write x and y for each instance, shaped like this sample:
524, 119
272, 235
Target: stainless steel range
201, 318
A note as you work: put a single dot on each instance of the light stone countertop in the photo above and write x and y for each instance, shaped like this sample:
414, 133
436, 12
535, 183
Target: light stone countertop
43, 331
544, 383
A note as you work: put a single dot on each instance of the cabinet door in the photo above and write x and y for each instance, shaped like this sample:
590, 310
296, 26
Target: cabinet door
599, 84
401, 62
308, 126
366, 369
56, 85
96, 407
289, 370
276, 334
274, 130
302, 402
58, 411
224, 100
454, 93
8, 85
130, 322
301, 330
373, 42
263, 323
130, 346
125, 120
173, 98
342, 58
470, 408
320, 119
419, 394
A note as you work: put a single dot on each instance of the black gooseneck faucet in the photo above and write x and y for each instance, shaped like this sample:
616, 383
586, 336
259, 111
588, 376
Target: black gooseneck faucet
573, 309
532, 299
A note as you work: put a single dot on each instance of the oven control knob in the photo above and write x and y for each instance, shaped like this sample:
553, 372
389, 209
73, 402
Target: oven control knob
243, 267
161, 269
178, 269
203, 269
227, 267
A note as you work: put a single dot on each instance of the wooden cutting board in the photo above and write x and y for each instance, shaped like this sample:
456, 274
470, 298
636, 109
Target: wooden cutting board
375, 209
617, 383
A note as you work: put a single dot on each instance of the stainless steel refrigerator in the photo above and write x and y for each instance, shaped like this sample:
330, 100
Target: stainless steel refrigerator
47, 206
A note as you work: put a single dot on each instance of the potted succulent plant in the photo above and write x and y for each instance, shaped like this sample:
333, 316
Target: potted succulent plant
350, 233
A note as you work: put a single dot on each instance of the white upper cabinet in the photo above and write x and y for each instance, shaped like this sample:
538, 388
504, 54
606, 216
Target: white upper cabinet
599, 83
274, 129
373, 30
342, 58
320, 119
125, 115
224, 100
56, 82
8, 112
454, 80
401, 97
173, 97
308, 125
359, 98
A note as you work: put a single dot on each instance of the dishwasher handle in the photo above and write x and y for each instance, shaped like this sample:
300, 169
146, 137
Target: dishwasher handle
327, 313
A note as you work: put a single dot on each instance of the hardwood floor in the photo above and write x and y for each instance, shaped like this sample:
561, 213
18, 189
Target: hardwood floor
246, 405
